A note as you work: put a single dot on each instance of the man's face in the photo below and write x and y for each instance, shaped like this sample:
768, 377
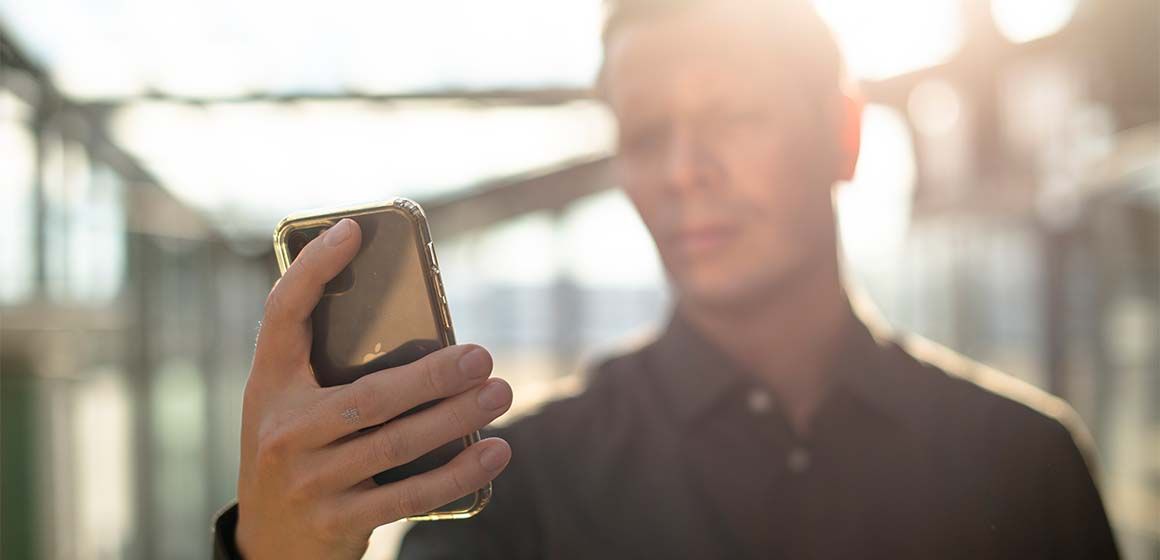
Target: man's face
720, 153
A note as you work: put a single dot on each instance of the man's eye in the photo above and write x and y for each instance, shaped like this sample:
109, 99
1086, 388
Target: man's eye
643, 140
743, 116
725, 123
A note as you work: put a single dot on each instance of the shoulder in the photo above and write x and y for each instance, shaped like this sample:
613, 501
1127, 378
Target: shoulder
972, 397
1020, 454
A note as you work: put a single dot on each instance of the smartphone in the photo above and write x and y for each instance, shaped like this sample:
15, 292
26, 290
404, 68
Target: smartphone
386, 309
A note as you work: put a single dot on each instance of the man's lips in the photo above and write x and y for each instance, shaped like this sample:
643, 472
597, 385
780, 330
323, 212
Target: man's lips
697, 240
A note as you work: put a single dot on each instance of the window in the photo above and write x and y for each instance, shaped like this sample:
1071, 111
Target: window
17, 200
84, 225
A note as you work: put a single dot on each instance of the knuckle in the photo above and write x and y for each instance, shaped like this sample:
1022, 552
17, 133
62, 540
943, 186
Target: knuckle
274, 448
329, 525
275, 305
368, 398
434, 376
276, 439
456, 419
407, 501
252, 394
306, 487
459, 485
390, 447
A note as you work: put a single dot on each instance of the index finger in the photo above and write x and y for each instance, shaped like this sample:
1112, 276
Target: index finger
381, 396
294, 296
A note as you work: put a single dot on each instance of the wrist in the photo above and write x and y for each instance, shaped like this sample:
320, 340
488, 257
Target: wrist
250, 544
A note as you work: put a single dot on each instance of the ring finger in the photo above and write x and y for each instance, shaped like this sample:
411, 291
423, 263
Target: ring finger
405, 439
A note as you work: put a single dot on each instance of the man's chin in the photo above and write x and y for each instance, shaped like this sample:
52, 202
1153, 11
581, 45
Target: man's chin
737, 289
721, 292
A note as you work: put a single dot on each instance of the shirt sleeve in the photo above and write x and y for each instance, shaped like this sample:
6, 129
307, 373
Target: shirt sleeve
224, 525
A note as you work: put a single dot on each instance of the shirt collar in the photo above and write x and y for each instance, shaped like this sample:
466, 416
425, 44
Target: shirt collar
695, 376
692, 373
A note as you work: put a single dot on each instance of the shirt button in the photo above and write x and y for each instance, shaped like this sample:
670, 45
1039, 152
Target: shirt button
759, 401
798, 460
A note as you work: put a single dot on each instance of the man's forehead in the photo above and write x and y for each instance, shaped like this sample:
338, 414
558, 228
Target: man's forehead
699, 44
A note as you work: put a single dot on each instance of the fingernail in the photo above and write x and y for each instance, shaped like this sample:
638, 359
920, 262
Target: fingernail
339, 233
493, 458
474, 363
494, 395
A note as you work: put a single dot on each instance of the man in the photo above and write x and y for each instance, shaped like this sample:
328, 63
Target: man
767, 420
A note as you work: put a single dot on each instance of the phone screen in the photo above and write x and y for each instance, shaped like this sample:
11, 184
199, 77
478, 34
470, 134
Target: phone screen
379, 313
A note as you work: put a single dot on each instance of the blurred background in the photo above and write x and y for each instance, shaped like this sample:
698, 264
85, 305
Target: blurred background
1007, 204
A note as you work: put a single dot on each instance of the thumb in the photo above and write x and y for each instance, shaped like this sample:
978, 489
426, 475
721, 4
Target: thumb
285, 330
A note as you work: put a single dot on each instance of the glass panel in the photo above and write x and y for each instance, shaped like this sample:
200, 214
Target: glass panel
179, 460
17, 202
606, 245
97, 238
84, 225
103, 466
65, 172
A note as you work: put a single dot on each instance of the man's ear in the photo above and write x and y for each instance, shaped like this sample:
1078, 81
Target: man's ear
849, 133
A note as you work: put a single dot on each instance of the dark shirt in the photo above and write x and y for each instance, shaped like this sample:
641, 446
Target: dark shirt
675, 452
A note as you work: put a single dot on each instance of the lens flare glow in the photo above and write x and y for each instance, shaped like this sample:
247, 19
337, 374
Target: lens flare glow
1024, 20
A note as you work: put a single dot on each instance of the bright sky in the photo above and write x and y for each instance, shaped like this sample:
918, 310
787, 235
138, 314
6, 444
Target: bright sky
113, 48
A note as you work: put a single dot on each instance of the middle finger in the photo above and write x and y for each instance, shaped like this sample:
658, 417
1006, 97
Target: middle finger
381, 396
405, 439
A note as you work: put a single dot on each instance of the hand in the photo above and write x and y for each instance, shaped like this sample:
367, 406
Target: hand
304, 488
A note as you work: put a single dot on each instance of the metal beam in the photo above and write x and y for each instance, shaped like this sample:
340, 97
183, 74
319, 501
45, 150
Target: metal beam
503, 200
491, 97
13, 57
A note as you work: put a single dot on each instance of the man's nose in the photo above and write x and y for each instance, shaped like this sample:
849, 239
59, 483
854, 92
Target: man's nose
689, 165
